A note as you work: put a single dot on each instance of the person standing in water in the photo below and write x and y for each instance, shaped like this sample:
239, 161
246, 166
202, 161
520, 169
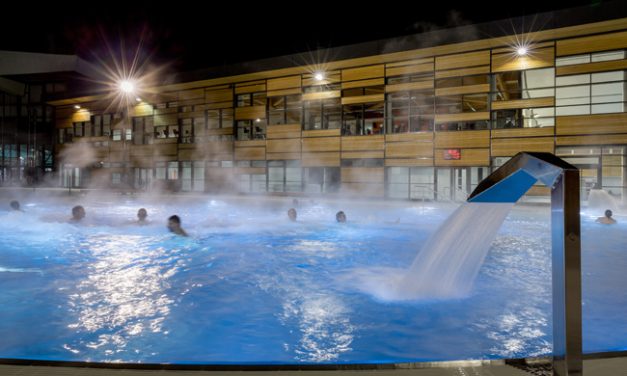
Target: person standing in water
607, 219
174, 225
340, 217
292, 214
142, 214
78, 213
15, 205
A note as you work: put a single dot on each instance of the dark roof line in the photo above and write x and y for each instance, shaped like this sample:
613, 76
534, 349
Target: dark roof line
536, 22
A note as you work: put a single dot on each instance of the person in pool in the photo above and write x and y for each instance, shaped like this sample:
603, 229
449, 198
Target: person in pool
292, 214
15, 205
174, 225
607, 219
78, 213
142, 214
340, 217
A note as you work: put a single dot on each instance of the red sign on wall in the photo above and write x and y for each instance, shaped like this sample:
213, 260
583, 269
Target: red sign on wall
452, 154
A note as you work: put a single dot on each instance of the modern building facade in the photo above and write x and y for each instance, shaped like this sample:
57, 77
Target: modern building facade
27, 131
424, 123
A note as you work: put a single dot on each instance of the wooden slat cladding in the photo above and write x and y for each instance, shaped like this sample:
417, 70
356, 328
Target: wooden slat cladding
363, 99
463, 116
322, 133
363, 174
469, 157
142, 109
462, 139
249, 144
363, 83
362, 154
169, 119
409, 69
524, 103
363, 73
277, 93
422, 85
283, 146
328, 159
322, 95
218, 147
282, 156
250, 113
405, 63
591, 140
542, 57
250, 154
601, 66
405, 162
594, 43
523, 132
465, 60
409, 137
289, 82
219, 131
216, 96
408, 150
283, 131
470, 89
357, 143
463, 72
363, 189
250, 88
507, 147
317, 144
591, 124
190, 94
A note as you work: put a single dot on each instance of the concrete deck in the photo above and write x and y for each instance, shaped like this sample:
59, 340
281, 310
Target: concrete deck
592, 367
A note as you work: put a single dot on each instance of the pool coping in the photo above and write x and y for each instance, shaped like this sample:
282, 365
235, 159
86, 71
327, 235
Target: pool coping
302, 367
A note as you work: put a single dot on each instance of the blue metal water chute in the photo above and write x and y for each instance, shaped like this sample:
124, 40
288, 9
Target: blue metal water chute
508, 184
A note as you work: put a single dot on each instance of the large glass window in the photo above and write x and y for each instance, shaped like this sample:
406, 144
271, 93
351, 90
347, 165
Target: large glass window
284, 176
415, 183
251, 99
592, 93
187, 131
524, 118
80, 129
142, 130
220, 118
536, 83
284, 109
362, 119
193, 176
410, 111
323, 114
321, 179
251, 129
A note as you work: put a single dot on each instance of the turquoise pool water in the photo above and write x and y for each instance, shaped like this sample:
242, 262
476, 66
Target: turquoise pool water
248, 286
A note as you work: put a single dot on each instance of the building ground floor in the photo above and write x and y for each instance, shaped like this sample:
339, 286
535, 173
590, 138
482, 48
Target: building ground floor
601, 167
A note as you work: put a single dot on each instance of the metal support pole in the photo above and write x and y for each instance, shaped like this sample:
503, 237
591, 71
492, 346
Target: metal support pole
508, 184
566, 257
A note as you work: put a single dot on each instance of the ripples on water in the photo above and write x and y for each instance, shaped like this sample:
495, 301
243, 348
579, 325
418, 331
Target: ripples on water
249, 286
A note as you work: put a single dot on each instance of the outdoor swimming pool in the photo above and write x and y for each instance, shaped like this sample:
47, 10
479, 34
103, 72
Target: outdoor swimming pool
250, 287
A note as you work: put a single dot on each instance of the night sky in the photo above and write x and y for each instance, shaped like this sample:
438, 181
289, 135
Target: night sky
188, 35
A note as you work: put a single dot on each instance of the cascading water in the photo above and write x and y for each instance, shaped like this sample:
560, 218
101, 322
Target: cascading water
600, 200
448, 262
